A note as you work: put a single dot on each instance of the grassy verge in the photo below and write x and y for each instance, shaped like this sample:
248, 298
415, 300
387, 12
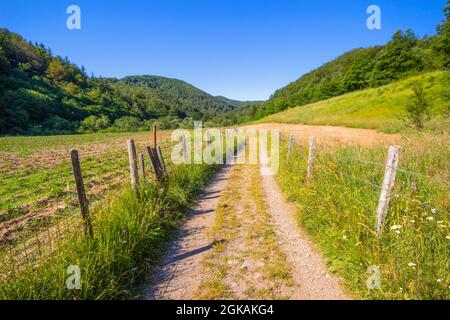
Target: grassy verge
130, 233
337, 208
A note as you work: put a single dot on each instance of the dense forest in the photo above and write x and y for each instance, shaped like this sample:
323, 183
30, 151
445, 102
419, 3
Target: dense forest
405, 55
45, 94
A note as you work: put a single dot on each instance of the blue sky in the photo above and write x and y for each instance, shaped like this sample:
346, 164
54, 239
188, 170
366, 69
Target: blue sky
240, 49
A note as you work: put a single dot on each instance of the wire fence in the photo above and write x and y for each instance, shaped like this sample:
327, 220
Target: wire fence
385, 180
44, 225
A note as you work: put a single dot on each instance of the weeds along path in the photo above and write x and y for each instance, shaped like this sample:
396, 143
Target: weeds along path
181, 268
308, 269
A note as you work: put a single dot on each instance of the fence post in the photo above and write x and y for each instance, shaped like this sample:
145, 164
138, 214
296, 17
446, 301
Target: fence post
185, 150
81, 193
152, 153
142, 165
291, 144
161, 161
133, 163
388, 184
155, 140
312, 141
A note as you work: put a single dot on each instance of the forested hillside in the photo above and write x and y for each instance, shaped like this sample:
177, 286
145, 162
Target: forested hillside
405, 55
44, 94
381, 108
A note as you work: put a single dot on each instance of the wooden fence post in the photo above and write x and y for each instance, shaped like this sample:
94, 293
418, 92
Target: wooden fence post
142, 165
386, 189
161, 161
291, 144
185, 150
312, 141
155, 139
88, 231
133, 164
156, 164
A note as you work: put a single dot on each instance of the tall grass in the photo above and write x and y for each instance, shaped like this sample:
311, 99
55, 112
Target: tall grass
130, 232
338, 206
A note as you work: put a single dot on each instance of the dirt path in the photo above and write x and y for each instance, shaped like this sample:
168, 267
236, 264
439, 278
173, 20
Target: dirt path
308, 269
246, 263
243, 242
333, 135
181, 270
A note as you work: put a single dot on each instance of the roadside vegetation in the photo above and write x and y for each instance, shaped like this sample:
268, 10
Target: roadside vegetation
130, 233
337, 207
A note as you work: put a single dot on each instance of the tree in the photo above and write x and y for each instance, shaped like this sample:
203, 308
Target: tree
398, 57
128, 124
418, 107
57, 72
94, 123
441, 43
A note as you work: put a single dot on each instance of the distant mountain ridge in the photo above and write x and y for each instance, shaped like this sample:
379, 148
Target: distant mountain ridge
45, 94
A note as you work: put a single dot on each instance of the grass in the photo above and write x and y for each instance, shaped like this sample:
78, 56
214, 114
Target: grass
130, 233
246, 261
37, 177
337, 208
378, 108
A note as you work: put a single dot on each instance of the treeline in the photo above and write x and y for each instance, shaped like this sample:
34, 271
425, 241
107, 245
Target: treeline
43, 94
403, 56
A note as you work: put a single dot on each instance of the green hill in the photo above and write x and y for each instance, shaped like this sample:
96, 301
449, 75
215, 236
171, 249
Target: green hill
406, 55
45, 94
376, 108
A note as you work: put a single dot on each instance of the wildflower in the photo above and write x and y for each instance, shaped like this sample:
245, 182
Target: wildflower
434, 210
440, 222
401, 289
397, 231
430, 218
396, 196
447, 237
344, 237
396, 227
413, 221
439, 280
411, 264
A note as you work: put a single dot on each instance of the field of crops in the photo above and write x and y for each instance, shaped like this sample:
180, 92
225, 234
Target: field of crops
38, 186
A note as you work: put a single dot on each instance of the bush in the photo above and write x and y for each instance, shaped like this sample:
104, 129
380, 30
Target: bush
127, 124
94, 124
418, 107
